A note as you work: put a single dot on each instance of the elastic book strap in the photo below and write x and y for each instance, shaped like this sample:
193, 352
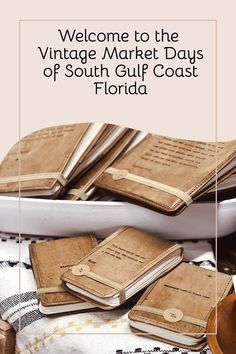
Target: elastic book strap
80, 193
52, 290
35, 176
155, 311
84, 270
150, 183
110, 283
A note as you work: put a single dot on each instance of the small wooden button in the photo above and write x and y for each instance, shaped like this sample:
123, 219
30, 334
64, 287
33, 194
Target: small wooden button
80, 269
173, 315
120, 175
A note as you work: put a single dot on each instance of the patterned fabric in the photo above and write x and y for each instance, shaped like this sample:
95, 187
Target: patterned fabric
98, 332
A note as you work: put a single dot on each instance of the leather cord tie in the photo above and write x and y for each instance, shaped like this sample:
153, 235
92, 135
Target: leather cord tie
171, 315
83, 269
120, 174
35, 176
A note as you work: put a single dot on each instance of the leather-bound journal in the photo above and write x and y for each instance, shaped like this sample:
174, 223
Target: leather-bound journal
168, 174
49, 260
121, 265
44, 162
175, 309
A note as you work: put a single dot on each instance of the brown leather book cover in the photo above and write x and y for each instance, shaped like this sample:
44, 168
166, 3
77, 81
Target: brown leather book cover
44, 156
167, 174
7, 338
49, 261
176, 307
120, 266
81, 189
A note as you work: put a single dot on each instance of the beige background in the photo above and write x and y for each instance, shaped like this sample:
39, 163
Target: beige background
37, 107
171, 103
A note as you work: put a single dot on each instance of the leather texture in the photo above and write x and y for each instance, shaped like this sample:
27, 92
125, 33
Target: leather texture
46, 150
7, 338
123, 257
88, 179
187, 288
182, 164
224, 325
50, 260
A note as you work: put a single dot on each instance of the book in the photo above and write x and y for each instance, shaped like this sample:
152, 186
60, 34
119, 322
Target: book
7, 338
84, 188
120, 266
48, 159
168, 174
176, 307
49, 260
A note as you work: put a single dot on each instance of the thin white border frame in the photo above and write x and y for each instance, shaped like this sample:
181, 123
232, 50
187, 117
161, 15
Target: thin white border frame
216, 136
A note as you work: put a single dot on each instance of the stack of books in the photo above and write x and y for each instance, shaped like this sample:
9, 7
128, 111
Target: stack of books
98, 161
49, 160
77, 274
